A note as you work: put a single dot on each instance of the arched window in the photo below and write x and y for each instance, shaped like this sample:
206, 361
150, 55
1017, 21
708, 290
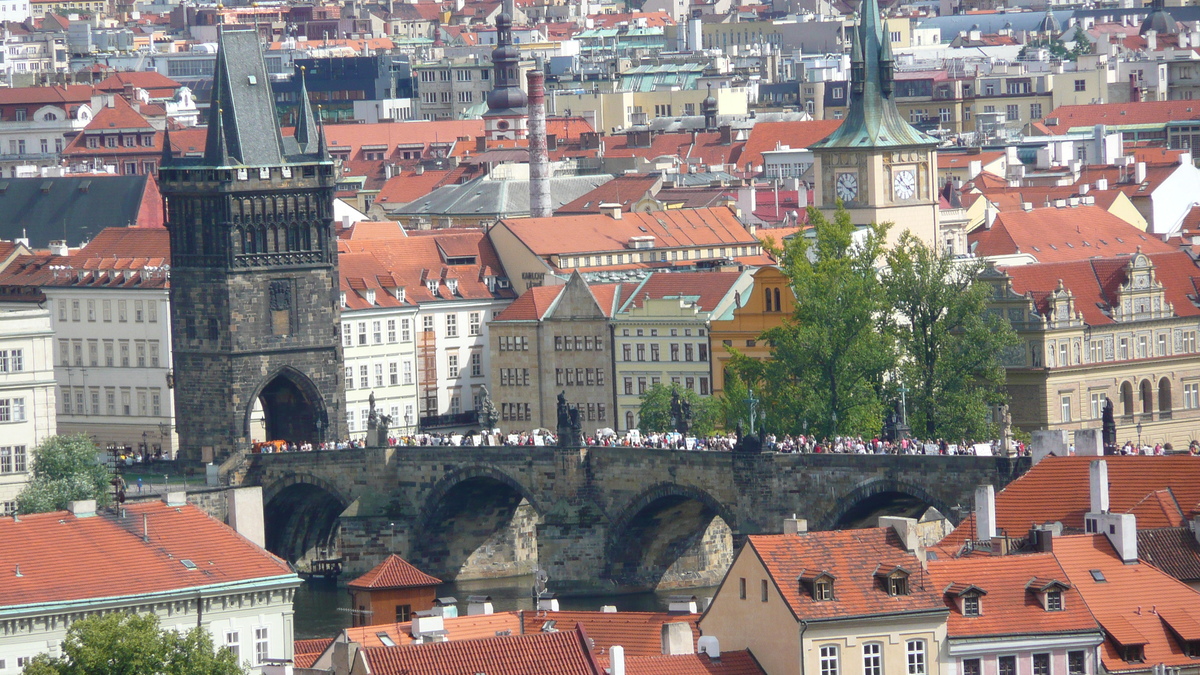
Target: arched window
1147, 397
778, 307
629, 419
1127, 408
767, 300
1164, 396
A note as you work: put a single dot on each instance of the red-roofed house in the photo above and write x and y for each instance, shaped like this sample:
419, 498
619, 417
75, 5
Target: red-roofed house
767, 137
564, 652
824, 602
393, 588
31, 116
1060, 234
1120, 328
120, 137
190, 570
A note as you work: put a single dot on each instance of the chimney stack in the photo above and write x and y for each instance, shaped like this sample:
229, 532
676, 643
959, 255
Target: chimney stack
1098, 484
985, 513
539, 157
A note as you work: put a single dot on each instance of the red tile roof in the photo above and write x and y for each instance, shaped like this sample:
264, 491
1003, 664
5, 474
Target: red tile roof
1121, 114
394, 572
558, 653
1063, 234
954, 160
119, 115
1009, 607
624, 190
740, 662
64, 558
471, 627
706, 149
765, 136
653, 19
640, 633
306, 652
155, 83
1095, 283
532, 305
408, 186
56, 95
1131, 479
600, 233
1173, 550
1136, 604
852, 557
373, 229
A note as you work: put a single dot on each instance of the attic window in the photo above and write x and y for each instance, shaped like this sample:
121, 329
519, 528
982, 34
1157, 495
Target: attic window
898, 585
343, 300
432, 285
1054, 601
399, 292
971, 605
452, 284
252, 80
1133, 653
370, 296
385, 639
188, 564
823, 589
1097, 576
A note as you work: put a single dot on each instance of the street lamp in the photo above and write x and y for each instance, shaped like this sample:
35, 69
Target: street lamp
1139, 432
834, 416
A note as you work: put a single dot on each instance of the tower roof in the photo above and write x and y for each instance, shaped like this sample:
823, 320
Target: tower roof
1159, 20
394, 572
506, 96
872, 120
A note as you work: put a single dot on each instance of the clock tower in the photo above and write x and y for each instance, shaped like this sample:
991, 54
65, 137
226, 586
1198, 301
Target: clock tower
876, 163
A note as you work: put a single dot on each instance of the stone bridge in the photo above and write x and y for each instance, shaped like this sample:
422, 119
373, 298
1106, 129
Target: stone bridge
592, 518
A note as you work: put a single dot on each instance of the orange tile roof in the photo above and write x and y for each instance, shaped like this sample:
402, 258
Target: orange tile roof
952, 160
1121, 114
119, 115
764, 136
705, 148
558, 653
306, 652
419, 134
157, 84
624, 190
65, 559
1135, 603
471, 627
374, 229
408, 186
653, 19
56, 95
740, 662
1062, 235
596, 233
1173, 550
640, 633
1009, 608
394, 572
1131, 479
1095, 282
532, 305
852, 558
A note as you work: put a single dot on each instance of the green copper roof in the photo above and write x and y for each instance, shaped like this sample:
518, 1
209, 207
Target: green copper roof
872, 120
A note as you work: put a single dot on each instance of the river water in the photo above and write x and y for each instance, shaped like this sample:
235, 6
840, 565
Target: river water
323, 608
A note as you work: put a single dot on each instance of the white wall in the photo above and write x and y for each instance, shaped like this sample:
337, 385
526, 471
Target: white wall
396, 348
27, 411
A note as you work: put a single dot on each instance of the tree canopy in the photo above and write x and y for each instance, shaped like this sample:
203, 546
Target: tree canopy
831, 356
133, 644
654, 414
949, 346
65, 469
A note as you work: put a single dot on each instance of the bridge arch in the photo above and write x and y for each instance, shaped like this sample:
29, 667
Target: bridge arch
477, 522
670, 535
300, 516
882, 496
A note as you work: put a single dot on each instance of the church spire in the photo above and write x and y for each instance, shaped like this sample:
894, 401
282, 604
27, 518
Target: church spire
322, 149
217, 151
305, 125
167, 153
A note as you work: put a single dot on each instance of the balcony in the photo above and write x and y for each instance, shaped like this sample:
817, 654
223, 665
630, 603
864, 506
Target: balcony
463, 419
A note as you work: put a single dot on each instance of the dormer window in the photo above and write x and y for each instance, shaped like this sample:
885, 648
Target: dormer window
342, 300
432, 285
970, 606
452, 284
1054, 601
898, 586
817, 583
1133, 653
894, 579
399, 292
370, 296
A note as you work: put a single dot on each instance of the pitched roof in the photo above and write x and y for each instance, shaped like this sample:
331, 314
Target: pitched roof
306, 652
1009, 608
408, 186
852, 557
1136, 604
597, 233
623, 190
64, 558
764, 136
1120, 114
1173, 550
707, 288
558, 653
532, 305
155, 83
1023, 504
394, 572
467, 627
56, 95
740, 662
75, 208
705, 148
119, 115
1095, 283
1063, 234
640, 633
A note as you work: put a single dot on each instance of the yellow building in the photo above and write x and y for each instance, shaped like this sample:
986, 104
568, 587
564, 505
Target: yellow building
1097, 329
660, 334
830, 602
764, 305
623, 109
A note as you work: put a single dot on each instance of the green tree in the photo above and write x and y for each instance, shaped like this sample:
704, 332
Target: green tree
654, 414
133, 644
832, 354
950, 346
65, 468
1083, 46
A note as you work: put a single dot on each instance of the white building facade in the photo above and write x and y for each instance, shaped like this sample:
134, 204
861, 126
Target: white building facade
27, 412
380, 358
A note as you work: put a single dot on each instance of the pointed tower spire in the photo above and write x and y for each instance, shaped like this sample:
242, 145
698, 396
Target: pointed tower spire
322, 150
305, 125
886, 64
167, 153
858, 73
216, 153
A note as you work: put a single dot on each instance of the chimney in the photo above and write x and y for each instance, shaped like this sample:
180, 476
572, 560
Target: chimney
985, 512
1185, 158
1098, 485
552, 142
58, 247
1121, 530
83, 508
677, 639
244, 509
481, 144
539, 158
419, 170
479, 604
616, 660
795, 525
1102, 184
726, 132
175, 498
989, 215
611, 210
1139, 172
710, 646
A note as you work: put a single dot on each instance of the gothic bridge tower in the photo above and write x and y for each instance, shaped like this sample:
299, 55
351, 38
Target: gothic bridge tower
254, 280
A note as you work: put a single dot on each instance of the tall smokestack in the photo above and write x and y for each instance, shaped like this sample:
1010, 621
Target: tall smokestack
539, 157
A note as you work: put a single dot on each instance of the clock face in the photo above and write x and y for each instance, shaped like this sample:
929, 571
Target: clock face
846, 186
904, 184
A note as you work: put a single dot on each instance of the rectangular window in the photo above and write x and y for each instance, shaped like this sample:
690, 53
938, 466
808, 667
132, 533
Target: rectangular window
873, 658
971, 605
1097, 405
1041, 664
1065, 405
74, 310
262, 645
110, 401
971, 667
451, 325
156, 402
139, 313
405, 330
474, 324
378, 374
349, 377
152, 311
233, 642
1076, 663
140, 350
915, 650
476, 364
1007, 665
408, 376
91, 310
122, 311
106, 309
376, 332
452, 365
364, 377
13, 409
124, 344
1191, 396
742, 588
763, 590
154, 353
362, 332
829, 660
391, 331
1080, 85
